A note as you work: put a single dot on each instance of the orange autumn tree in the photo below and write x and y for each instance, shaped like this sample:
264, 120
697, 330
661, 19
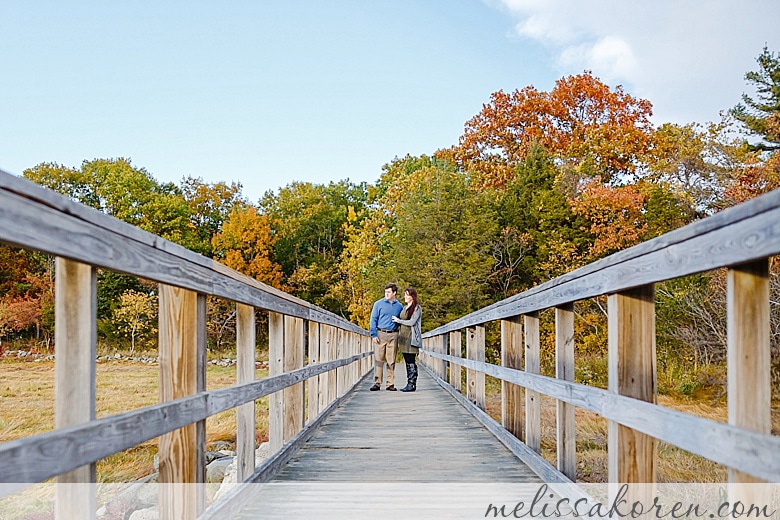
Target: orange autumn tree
580, 121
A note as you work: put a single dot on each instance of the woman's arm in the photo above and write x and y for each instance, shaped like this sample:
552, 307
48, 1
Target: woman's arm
411, 321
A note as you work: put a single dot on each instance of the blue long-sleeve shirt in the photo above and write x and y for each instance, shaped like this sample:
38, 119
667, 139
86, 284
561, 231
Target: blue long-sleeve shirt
382, 315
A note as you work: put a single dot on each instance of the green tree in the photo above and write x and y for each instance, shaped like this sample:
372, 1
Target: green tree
136, 318
209, 206
761, 116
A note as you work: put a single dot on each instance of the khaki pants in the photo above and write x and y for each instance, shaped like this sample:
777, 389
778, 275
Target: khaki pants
384, 352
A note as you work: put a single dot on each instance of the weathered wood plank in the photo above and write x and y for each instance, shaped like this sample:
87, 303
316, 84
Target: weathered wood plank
533, 402
749, 359
475, 380
725, 444
293, 359
200, 426
564, 370
313, 390
456, 349
512, 395
245, 373
275, 367
75, 347
633, 373
37, 458
333, 339
178, 361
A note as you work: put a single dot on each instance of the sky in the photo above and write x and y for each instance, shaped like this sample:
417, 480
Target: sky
269, 92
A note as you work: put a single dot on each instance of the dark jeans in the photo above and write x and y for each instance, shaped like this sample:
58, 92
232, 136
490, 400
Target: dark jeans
409, 358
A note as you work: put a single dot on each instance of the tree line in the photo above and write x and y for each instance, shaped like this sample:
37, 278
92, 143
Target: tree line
538, 184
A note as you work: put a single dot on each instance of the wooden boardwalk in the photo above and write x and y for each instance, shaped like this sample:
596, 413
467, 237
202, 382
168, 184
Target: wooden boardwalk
389, 447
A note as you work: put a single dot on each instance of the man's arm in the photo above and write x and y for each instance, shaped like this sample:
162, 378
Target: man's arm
374, 319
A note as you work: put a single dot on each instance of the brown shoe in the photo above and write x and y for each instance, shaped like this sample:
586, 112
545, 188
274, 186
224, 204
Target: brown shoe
391, 388
374, 388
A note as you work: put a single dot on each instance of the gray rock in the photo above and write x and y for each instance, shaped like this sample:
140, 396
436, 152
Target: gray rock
215, 471
145, 514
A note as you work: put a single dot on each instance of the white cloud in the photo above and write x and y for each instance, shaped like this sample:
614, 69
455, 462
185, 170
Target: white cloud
688, 58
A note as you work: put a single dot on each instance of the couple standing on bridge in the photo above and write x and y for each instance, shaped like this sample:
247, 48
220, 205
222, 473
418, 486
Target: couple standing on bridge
396, 327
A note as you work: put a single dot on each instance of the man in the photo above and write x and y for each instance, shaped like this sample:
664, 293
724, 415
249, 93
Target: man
385, 334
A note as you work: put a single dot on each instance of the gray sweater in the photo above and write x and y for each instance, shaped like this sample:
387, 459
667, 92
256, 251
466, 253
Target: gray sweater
414, 323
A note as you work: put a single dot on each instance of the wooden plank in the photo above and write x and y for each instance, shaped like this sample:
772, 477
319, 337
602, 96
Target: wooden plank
456, 349
200, 426
749, 359
40, 457
325, 377
725, 444
533, 401
178, 360
512, 395
313, 390
333, 354
632, 373
341, 352
75, 348
475, 350
293, 359
564, 369
230, 504
275, 367
245, 373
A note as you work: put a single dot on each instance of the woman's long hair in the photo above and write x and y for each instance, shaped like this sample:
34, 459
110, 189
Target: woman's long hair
413, 293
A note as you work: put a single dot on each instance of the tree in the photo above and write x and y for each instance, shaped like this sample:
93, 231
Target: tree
580, 121
761, 116
136, 317
245, 243
209, 206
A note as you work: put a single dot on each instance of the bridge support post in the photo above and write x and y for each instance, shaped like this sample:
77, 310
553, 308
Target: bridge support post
275, 367
313, 390
178, 359
633, 373
456, 350
533, 409
75, 347
245, 373
293, 359
564, 369
749, 360
511, 394
475, 381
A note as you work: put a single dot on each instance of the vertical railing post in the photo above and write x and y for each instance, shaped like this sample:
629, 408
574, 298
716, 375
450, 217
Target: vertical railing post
313, 391
333, 351
178, 362
200, 426
293, 359
749, 360
633, 373
511, 394
533, 404
475, 350
324, 397
564, 369
456, 350
275, 367
75, 348
245, 373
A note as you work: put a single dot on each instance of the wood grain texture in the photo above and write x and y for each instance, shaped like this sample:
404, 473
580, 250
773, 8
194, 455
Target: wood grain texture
512, 395
564, 412
275, 367
632, 373
245, 373
313, 389
456, 349
75, 340
749, 359
725, 444
533, 403
200, 426
475, 380
293, 359
178, 363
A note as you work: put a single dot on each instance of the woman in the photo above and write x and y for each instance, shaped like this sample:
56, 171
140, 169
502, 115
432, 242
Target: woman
410, 337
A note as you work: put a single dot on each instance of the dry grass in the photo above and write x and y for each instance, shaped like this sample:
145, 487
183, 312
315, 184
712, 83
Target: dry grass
27, 407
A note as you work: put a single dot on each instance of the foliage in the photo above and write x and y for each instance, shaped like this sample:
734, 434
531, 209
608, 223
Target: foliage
135, 317
761, 116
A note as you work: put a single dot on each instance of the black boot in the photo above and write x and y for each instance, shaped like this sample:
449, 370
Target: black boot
408, 387
411, 378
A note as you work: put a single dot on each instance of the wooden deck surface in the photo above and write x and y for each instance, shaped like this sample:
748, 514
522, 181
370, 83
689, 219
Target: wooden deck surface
380, 447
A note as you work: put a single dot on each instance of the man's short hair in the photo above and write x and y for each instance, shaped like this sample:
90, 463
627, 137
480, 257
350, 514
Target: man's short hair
392, 286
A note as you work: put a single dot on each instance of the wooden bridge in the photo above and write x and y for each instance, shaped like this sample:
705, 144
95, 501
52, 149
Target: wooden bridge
323, 426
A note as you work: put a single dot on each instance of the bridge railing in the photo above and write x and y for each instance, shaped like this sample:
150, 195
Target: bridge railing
741, 239
82, 240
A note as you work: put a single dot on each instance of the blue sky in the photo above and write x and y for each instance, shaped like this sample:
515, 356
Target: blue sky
268, 92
